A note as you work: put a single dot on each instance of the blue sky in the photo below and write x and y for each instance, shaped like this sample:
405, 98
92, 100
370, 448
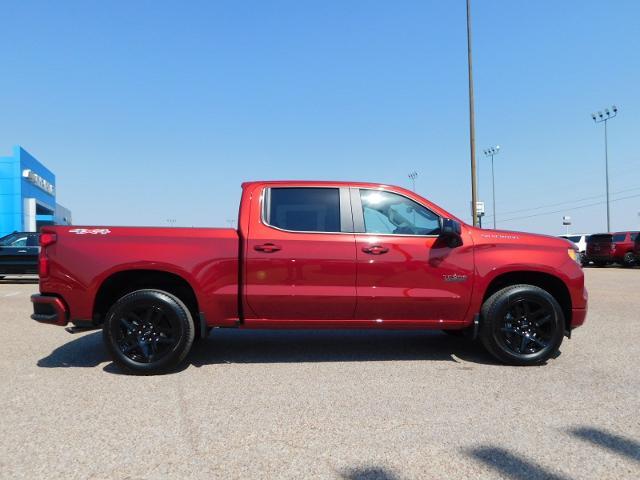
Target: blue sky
151, 110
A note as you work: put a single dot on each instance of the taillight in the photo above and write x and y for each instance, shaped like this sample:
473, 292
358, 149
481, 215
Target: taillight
43, 266
46, 239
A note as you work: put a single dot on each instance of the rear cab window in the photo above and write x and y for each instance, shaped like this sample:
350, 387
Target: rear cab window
600, 238
303, 209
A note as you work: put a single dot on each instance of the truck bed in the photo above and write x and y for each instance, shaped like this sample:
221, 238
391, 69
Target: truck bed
84, 259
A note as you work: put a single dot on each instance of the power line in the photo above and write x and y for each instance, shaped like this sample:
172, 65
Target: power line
549, 205
570, 208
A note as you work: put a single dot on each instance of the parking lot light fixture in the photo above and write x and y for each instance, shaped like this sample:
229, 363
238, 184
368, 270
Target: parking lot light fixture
491, 152
604, 118
413, 175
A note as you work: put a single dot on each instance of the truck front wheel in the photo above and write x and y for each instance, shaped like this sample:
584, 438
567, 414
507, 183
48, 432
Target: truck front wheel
148, 332
522, 325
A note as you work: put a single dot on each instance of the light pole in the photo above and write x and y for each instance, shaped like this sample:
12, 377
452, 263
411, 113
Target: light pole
413, 175
491, 152
472, 128
566, 221
599, 118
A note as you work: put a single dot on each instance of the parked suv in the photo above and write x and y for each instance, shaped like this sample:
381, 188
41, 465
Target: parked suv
580, 240
19, 253
600, 249
623, 243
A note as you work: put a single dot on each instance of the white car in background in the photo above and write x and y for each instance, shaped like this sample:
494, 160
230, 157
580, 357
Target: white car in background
580, 239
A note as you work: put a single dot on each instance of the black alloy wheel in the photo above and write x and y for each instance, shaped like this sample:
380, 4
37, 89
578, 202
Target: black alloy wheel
522, 325
527, 326
148, 332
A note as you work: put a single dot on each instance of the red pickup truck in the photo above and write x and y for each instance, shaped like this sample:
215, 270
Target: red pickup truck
311, 255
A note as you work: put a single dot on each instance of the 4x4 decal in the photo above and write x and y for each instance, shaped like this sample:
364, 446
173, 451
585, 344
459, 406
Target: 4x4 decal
90, 231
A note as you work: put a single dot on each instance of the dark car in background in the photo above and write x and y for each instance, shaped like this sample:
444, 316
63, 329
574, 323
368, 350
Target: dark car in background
636, 249
607, 248
623, 243
19, 253
600, 249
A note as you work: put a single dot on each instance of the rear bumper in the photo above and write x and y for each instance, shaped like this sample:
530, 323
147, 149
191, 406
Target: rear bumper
49, 309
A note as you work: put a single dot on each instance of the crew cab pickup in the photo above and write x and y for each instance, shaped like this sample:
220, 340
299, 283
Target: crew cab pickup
311, 255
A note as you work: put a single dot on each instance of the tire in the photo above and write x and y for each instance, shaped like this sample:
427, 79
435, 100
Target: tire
148, 332
629, 260
522, 325
583, 260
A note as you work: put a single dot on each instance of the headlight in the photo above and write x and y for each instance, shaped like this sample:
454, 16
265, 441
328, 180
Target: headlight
574, 255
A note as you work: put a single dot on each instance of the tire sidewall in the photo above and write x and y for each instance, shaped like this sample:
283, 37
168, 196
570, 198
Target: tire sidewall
171, 306
494, 320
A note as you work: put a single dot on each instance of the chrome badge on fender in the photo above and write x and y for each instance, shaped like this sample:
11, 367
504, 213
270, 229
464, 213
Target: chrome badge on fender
454, 278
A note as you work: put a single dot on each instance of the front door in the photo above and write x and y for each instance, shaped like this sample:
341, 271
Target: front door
300, 255
405, 270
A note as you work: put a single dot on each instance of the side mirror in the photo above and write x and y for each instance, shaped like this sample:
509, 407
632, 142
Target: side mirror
451, 231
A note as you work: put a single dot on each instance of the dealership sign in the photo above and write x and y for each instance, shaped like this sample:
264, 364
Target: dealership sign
38, 181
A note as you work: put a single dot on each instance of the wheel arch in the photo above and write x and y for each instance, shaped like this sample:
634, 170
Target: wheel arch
122, 282
548, 282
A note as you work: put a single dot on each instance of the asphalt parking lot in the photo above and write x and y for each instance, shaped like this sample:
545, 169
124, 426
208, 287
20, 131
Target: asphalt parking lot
352, 405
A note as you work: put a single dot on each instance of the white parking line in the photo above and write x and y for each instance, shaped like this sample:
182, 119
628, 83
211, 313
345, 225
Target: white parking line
11, 294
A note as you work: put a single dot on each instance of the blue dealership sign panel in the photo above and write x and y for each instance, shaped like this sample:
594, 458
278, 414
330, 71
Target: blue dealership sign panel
27, 194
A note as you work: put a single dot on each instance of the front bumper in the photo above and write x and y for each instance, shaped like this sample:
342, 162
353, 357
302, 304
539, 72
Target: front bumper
578, 316
49, 309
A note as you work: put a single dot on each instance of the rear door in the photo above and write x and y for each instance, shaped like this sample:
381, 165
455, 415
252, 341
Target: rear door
300, 257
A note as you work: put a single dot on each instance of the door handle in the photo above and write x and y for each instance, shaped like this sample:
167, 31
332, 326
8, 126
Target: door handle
267, 248
375, 249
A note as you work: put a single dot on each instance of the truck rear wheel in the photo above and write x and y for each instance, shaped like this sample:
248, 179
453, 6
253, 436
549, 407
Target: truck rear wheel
148, 332
522, 325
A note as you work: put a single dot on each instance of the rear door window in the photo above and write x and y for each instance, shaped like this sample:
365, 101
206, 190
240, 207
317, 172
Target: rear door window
619, 237
303, 209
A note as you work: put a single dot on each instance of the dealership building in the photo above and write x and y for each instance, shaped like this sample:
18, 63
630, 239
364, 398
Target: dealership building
28, 195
